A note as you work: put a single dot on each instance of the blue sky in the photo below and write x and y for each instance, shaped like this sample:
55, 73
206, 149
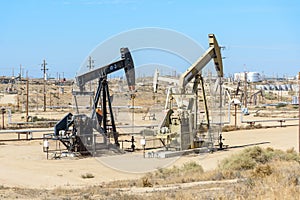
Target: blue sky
261, 36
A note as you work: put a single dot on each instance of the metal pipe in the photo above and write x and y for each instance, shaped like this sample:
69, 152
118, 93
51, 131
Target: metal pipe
229, 114
235, 113
2, 120
132, 114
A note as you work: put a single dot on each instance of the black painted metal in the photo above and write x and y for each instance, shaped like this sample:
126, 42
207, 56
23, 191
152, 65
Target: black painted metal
63, 124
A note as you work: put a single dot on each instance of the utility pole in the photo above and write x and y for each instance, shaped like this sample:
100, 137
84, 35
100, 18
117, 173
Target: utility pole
44, 69
90, 66
27, 95
18, 88
3, 111
299, 109
20, 75
37, 99
245, 90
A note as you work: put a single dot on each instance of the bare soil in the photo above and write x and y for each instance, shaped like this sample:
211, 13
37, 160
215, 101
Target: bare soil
25, 172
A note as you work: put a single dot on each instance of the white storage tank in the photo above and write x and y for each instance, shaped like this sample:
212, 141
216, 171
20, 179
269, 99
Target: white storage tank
253, 77
271, 87
259, 87
284, 87
266, 87
295, 100
239, 76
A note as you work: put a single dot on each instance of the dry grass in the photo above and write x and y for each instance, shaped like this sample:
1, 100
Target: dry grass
251, 157
189, 172
265, 174
228, 128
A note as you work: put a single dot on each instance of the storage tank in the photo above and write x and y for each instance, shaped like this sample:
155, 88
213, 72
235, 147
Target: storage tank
239, 76
295, 100
295, 87
253, 77
259, 87
266, 87
284, 87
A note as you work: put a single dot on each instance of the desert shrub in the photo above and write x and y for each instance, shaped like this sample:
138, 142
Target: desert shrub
238, 162
87, 175
36, 119
291, 150
146, 182
288, 155
249, 158
192, 167
248, 127
270, 96
281, 105
188, 172
245, 160
60, 191
166, 172
257, 154
258, 126
261, 171
269, 149
228, 128
224, 174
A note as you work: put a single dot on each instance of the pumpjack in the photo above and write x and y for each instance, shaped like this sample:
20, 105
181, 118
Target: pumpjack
181, 127
77, 132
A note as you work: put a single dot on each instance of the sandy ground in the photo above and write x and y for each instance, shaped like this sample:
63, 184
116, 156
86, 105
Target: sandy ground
24, 164
8, 99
